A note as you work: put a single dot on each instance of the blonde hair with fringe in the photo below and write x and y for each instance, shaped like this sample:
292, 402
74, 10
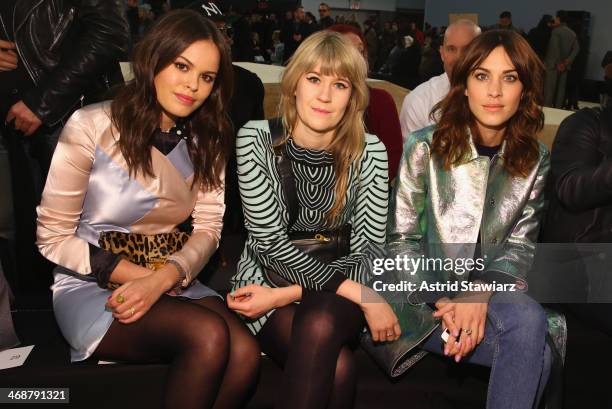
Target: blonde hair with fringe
338, 57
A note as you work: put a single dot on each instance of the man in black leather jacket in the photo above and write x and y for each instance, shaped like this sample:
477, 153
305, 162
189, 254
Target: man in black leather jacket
580, 212
581, 179
68, 49
55, 55
580, 274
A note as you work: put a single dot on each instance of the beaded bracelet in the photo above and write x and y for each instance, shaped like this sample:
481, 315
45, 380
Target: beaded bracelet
178, 286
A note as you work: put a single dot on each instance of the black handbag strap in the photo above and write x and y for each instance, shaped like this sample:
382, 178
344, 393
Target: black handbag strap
285, 172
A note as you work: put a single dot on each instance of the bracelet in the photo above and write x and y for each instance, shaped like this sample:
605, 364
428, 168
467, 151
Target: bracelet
178, 286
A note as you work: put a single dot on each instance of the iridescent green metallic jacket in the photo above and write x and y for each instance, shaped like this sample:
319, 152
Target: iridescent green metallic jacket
446, 208
434, 205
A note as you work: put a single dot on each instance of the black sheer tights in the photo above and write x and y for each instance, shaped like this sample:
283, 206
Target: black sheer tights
314, 343
213, 358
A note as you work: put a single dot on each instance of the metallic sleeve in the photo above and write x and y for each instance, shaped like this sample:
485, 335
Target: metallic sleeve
407, 224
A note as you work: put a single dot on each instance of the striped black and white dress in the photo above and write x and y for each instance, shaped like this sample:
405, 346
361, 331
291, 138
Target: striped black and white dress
266, 217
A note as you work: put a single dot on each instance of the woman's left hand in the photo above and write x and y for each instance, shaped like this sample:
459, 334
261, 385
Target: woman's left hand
133, 299
253, 300
470, 318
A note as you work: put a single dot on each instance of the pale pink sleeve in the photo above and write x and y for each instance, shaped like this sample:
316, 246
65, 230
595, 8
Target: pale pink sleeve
207, 224
60, 209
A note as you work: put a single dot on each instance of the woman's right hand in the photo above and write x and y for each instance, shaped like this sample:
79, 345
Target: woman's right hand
381, 319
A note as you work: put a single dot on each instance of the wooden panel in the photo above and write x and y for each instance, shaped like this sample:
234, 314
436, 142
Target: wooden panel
271, 100
473, 17
398, 93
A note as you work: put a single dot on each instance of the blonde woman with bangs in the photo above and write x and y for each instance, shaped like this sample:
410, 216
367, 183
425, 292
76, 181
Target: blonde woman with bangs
310, 327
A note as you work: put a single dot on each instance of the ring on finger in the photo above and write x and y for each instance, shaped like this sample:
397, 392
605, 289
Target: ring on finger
120, 298
132, 311
468, 331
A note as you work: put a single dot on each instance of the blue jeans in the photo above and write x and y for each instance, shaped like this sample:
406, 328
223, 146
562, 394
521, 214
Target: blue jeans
514, 347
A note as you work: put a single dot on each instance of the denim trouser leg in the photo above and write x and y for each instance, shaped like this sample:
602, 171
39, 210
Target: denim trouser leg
514, 347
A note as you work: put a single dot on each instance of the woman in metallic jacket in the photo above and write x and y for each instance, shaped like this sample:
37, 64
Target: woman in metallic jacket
475, 180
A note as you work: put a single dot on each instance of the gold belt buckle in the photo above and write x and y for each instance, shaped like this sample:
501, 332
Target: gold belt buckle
155, 264
320, 237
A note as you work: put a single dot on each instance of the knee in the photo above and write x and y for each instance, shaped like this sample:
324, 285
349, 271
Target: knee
317, 325
525, 321
207, 340
533, 321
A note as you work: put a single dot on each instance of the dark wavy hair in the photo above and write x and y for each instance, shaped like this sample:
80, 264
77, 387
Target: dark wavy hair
136, 113
450, 139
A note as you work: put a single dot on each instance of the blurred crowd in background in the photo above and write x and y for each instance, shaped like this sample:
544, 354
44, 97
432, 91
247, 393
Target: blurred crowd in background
399, 50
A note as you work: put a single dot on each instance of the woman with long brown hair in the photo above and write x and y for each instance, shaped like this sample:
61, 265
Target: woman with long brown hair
471, 186
124, 175
339, 184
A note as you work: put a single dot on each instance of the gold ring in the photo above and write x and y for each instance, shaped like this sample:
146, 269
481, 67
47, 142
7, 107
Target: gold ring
132, 312
389, 334
120, 299
468, 331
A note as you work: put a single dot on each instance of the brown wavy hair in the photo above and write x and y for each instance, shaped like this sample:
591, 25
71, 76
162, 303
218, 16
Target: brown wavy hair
450, 139
136, 113
337, 56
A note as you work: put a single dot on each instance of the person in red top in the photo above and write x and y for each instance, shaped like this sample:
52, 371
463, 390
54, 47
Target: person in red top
382, 120
418, 34
381, 116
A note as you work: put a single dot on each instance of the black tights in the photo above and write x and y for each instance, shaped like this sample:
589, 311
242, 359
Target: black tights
314, 343
213, 358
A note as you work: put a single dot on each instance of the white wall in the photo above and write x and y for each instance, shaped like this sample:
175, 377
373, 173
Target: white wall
527, 13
